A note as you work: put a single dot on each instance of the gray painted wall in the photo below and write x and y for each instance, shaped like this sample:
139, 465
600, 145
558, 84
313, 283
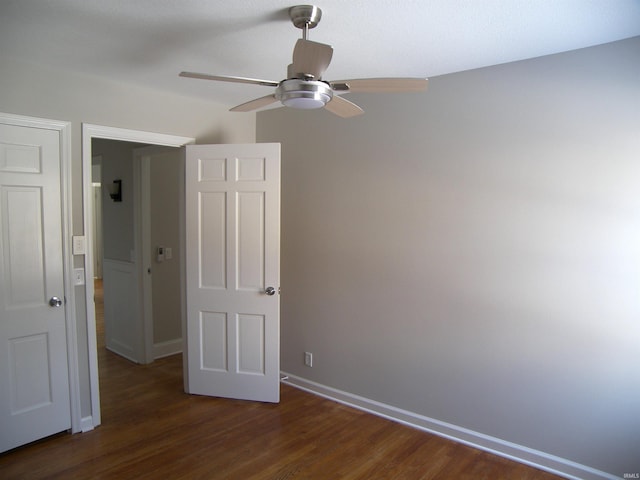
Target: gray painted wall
117, 217
472, 254
166, 175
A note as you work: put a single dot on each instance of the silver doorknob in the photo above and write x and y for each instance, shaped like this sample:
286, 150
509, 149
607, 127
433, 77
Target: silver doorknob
270, 291
55, 302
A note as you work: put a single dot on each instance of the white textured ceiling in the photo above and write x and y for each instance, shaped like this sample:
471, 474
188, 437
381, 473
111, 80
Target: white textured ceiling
149, 42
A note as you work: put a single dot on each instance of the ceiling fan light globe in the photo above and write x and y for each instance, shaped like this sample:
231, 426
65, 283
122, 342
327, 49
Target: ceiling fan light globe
304, 94
305, 101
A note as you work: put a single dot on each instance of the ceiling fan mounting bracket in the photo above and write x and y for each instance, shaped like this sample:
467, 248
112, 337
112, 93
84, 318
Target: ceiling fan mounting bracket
305, 16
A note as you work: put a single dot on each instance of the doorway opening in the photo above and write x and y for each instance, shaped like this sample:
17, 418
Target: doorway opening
135, 256
141, 324
115, 247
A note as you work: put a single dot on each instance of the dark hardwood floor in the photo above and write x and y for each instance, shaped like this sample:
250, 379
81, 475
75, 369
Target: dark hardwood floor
152, 430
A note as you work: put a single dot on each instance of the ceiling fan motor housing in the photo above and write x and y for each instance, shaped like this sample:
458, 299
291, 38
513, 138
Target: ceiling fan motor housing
304, 94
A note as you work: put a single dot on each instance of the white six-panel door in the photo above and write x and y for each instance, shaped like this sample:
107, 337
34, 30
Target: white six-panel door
232, 258
34, 382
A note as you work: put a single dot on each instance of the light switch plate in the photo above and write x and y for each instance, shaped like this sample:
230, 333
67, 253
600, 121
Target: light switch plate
79, 245
78, 276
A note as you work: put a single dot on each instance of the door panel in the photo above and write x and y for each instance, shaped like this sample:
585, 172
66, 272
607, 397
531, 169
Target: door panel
34, 382
251, 333
23, 255
122, 327
233, 254
250, 238
212, 248
213, 331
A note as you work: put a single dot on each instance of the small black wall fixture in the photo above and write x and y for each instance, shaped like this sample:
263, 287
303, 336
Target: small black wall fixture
115, 190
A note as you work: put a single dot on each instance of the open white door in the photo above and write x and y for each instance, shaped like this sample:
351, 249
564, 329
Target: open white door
233, 271
34, 372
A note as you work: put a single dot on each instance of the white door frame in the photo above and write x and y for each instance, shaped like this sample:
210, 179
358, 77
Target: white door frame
90, 132
64, 131
142, 234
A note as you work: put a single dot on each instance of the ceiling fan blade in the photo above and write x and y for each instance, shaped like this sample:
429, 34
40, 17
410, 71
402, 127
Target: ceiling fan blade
254, 81
381, 85
343, 108
310, 58
255, 104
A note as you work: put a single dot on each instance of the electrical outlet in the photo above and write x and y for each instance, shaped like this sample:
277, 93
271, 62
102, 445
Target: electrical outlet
308, 359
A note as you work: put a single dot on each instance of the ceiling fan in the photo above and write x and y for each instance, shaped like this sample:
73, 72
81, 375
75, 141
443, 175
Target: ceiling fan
304, 87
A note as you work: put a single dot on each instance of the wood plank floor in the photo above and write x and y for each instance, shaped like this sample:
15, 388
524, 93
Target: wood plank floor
152, 430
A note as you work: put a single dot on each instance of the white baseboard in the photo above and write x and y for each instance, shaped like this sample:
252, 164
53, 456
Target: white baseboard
165, 349
535, 458
86, 424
